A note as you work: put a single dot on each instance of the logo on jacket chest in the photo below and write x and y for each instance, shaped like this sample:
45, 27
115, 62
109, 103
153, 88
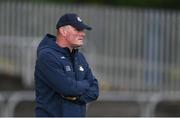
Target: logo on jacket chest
67, 68
81, 68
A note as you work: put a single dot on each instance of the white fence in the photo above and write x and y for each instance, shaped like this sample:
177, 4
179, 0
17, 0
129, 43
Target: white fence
129, 49
132, 51
142, 105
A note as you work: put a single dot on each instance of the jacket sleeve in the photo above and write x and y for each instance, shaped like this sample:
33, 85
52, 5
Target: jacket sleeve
93, 91
53, 75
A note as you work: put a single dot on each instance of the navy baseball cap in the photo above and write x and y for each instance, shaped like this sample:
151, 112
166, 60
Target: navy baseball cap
73, 20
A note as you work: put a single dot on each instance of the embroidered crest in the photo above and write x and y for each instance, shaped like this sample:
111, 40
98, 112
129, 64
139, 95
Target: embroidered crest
81, 68
68, 68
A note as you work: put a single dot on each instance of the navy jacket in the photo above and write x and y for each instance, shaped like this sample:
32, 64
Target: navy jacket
60, 73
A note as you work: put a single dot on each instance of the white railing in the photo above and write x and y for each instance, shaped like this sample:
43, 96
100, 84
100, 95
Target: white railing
128, 49
147, 102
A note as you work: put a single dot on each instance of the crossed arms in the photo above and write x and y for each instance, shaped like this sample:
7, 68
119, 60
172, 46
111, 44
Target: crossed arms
81, 92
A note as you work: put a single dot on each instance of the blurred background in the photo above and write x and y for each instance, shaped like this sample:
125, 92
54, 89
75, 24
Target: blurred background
133, 51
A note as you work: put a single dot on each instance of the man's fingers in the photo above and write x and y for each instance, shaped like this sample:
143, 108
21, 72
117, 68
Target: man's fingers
71, 98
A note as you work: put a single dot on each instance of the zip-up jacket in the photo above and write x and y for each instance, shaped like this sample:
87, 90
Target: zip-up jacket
60, 73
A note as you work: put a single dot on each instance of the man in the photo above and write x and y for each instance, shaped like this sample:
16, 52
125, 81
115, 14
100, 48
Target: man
64, 82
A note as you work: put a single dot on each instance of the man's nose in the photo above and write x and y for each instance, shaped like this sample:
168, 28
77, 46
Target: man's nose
83, 33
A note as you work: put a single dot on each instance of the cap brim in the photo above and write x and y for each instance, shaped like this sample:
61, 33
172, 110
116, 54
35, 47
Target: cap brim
81, 26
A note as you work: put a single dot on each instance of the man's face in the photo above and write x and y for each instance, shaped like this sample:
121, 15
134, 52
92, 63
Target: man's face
74, 37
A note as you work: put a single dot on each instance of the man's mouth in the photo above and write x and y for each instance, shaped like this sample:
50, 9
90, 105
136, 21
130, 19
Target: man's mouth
80, 39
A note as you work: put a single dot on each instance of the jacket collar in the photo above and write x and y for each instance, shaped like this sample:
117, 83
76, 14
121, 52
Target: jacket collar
49, 41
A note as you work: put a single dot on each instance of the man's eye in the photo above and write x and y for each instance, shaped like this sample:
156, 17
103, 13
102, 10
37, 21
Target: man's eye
75, 29
79, 30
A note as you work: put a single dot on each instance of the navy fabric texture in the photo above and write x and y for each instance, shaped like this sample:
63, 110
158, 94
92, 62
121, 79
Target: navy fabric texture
59, 72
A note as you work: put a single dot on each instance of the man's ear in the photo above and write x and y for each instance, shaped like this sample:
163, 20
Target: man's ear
62, 31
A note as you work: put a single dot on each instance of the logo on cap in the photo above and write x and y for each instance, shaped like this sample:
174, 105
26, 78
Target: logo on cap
79, 19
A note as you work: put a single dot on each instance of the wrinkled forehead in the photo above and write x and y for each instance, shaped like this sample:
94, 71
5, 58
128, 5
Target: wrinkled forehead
68, 27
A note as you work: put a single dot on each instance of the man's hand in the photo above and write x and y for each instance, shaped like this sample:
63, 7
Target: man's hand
70, 98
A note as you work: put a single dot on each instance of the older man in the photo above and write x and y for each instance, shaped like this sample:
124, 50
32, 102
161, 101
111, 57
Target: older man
64, 82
